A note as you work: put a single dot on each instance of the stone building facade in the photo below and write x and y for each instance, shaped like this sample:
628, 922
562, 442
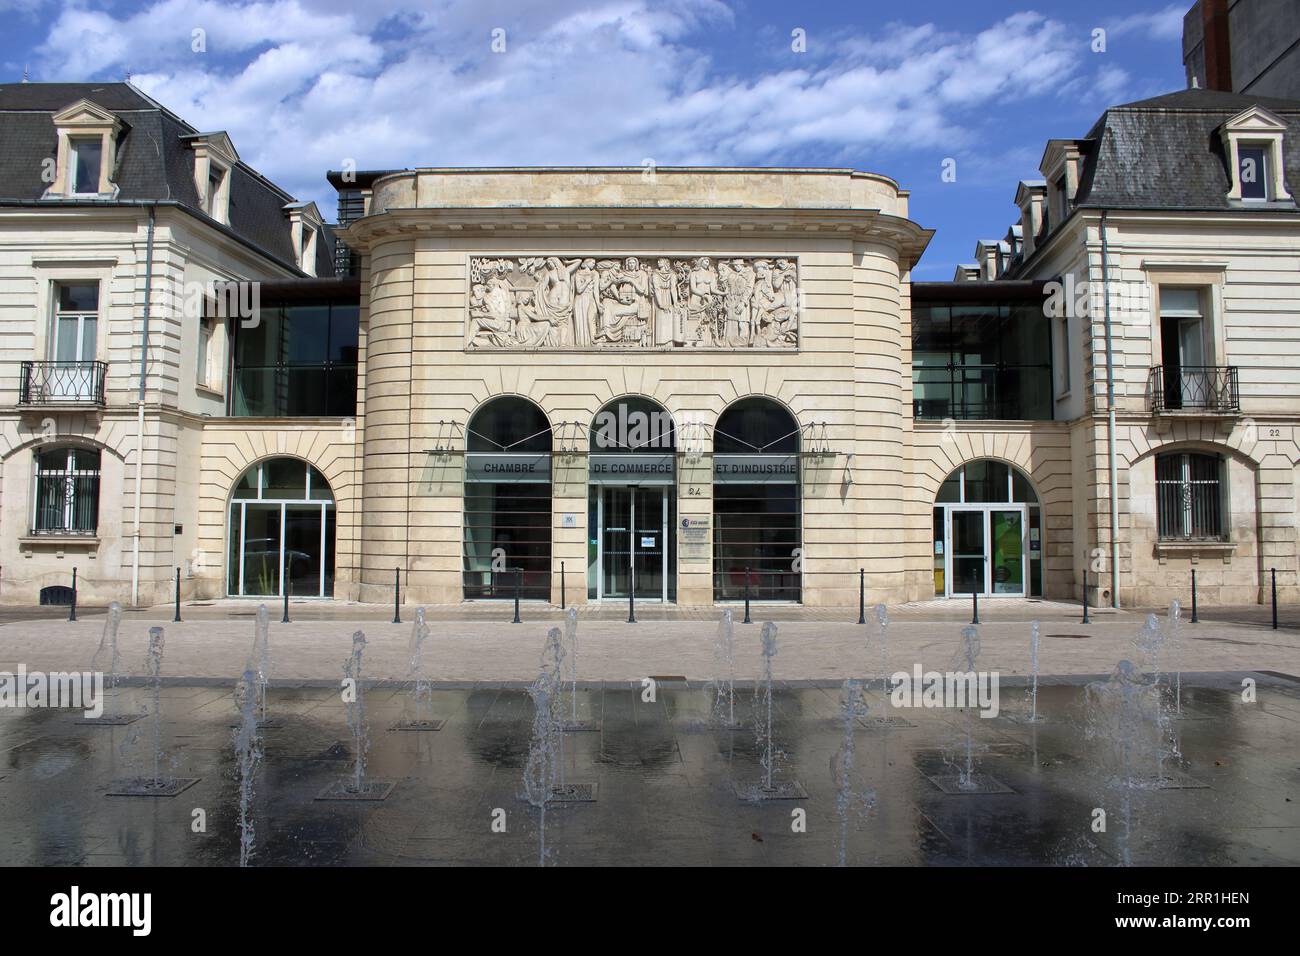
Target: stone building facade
119, 223
1182, 271
590, 292
678, 384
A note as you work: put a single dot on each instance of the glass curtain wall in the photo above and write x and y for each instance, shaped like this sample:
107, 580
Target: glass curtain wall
981, 361
297, 360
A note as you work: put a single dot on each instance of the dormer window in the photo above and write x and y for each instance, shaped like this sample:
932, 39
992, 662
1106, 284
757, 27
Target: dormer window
304, 231
214, 158
1061, 168
87, 152
1252, 142
87, 162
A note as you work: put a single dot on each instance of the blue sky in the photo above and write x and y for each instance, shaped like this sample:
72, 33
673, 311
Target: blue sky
896, 88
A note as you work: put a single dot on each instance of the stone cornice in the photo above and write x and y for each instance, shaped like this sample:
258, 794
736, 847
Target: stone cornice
612, 222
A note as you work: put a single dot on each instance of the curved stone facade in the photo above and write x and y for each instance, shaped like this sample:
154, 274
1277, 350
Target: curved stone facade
845, 375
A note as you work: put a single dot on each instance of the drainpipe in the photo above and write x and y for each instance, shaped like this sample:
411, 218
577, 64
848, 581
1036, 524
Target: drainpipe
1110, 424
139, 421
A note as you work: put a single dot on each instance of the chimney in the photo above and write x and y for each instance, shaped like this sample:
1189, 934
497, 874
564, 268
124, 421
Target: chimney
1218, 53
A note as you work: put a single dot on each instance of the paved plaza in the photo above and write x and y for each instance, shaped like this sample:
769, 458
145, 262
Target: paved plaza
479, 642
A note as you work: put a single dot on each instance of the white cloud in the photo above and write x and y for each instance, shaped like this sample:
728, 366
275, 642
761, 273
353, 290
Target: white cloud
1110, 83
389, 84
1163, 25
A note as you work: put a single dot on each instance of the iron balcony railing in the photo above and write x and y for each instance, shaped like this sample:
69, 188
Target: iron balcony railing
1194, 387
63, 383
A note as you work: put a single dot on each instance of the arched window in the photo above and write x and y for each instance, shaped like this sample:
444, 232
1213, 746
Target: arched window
988, 532
632, 425
631, 505
756, 426
508, 425
282, 526
507, 541
757, 508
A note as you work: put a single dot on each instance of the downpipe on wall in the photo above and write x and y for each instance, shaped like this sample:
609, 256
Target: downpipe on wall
139, 421
1110, 423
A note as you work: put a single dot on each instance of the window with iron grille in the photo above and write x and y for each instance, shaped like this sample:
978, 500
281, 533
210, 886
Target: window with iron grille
67, 491
1189, 497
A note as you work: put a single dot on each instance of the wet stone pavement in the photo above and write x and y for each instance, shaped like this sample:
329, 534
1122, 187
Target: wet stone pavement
665, 781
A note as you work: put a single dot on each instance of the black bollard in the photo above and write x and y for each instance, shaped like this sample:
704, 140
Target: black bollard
862, 596
746, 620
974, 602
519, 574
1194, 621
397, 595
631, 596
178, 596
1273, 573
285, 588
1085, 597
72, 611
561, 585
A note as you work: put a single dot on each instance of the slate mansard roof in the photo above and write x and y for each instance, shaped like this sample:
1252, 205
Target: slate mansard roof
1166, 152
154, 163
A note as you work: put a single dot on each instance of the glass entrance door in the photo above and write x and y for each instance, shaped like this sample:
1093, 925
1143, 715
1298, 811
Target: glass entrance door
615, 541
986, 551
650, 521
1008, 544
966, 552
633, 542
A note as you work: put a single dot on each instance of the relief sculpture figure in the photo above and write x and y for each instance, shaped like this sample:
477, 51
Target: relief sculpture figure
589, 303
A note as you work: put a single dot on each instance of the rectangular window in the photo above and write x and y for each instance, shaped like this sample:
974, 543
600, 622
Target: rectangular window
67, 491
1189, 497
87, 160
1252, 170
215, 176
1061, 353
76, 321
307, 252
507, 540
208, 360
1189, 380
297, 361
205, 349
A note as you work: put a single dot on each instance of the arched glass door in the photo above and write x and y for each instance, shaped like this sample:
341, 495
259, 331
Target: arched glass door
507, 525
632, 502
757, 511
988, 533
281, 532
